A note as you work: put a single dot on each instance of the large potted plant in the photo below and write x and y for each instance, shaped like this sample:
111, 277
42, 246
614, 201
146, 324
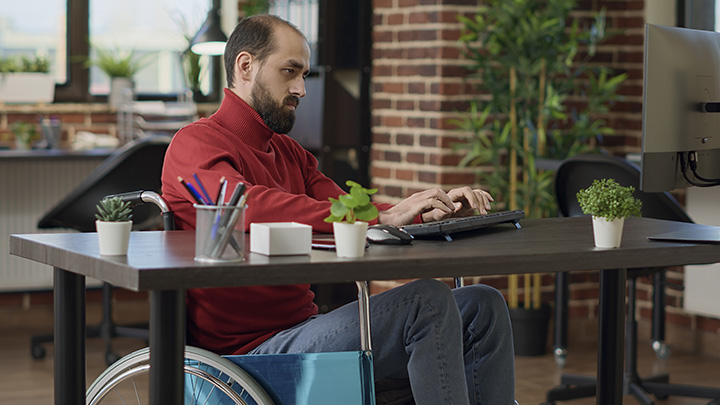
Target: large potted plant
349, 214
26, 80
113, 224
120, 66
609, 203
540, 101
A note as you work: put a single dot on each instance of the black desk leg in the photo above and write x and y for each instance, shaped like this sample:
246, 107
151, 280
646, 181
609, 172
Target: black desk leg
69, 346
612, 335
167, 346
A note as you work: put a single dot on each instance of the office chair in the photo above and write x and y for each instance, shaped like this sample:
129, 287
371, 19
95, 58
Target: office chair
135, 166
578, 173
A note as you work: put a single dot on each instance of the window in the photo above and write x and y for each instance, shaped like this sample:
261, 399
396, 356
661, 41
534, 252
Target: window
21, 35
304, 14
156, 31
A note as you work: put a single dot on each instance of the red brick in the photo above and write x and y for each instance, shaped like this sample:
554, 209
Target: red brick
395, 19
429, 140
407, 175
415, 157
708, 324
428, 177
396, 88
10, 300
416, 88
392, 156
404, 139
405, 105
417, 35
380, 172
380, 104
456, 178
678, 319
382, 36
393, 121
381, 138
416, 123
378, 4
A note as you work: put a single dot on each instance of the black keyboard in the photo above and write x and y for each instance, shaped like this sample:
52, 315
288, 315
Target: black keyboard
460, 224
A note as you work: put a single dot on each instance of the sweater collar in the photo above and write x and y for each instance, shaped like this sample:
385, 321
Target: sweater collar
243, 121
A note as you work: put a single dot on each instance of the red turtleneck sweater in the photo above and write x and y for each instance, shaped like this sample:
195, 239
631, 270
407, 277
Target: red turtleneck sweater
283, 184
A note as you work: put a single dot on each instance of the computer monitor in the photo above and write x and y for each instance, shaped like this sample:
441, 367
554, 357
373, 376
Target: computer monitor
681, 109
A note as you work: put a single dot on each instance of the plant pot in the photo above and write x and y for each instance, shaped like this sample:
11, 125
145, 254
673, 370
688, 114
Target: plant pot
350, 239
608, 234
121, 91
113, 237
530, 330
27, 87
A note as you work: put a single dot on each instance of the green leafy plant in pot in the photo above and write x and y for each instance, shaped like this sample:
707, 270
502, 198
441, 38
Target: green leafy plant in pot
609, 203
113, 224
25, 134
120, 66
349, 214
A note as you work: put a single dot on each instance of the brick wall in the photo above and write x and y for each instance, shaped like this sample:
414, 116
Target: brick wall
419, 85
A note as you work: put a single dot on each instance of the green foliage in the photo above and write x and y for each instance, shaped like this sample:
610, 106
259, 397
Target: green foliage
252, 7
608, 199
541, 100
36, 64
117, 63
354, 206
25, 132
114, 210
193, 69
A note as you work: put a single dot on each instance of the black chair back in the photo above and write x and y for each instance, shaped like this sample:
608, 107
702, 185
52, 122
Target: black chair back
578, 172
135, 166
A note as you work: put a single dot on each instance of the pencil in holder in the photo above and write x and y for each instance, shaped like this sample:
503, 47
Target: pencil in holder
219, 233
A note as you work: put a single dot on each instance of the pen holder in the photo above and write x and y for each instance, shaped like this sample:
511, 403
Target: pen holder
219, 233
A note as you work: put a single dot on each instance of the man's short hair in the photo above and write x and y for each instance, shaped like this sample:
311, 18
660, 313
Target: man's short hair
254, 35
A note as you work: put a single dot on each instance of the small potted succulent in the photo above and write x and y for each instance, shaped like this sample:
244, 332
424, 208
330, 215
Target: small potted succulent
609, 203
114, 223
349, 214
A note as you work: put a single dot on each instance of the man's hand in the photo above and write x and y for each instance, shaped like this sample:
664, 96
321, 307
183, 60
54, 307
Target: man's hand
435, 204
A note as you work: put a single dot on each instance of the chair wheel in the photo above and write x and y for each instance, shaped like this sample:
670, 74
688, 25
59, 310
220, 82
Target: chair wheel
560, 356
37, 352
662, 350
661, 397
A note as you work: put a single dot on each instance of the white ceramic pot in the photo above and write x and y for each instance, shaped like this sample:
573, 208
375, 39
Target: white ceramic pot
121, 91
113, 237
350, 239
608, 234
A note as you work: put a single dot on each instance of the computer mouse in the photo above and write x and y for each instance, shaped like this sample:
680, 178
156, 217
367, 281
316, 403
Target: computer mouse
388, 235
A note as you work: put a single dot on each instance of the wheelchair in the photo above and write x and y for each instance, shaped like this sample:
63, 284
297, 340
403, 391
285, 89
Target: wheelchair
247, 379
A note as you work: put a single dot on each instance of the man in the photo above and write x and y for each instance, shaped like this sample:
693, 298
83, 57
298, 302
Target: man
454, 347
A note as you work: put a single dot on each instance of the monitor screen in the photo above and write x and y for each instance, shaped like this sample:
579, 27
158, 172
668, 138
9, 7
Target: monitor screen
681, 109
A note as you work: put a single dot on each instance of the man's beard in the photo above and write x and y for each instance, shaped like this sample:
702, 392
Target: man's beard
278, 117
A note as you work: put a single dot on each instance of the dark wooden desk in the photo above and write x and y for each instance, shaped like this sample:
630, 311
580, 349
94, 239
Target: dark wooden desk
162, 263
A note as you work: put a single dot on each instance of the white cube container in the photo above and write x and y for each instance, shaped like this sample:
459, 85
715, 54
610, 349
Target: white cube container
280, 238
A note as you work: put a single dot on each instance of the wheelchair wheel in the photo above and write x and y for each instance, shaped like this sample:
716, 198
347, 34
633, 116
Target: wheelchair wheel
209, 378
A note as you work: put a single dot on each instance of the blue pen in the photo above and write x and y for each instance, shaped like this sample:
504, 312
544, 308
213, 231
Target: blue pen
208, 200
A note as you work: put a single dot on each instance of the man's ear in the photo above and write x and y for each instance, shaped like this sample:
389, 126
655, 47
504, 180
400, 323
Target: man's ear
243, 66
